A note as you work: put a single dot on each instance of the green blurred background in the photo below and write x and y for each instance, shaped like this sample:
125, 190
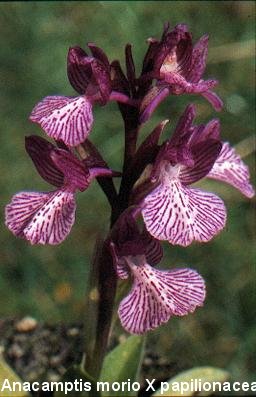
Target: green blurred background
49, 282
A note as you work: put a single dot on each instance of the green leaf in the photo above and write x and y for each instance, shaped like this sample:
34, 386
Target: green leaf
73, 374
204, 374
123, 363
7, 377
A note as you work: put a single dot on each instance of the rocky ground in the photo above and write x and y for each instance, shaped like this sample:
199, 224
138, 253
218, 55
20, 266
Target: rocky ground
42, 352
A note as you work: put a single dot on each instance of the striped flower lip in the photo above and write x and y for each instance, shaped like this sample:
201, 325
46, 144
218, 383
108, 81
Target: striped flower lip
174, 211
156, 295
47, 218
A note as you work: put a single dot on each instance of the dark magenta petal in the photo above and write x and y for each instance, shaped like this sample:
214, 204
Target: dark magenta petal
150, 57
99, 54
178, 149
182, 131
214, 100
200, 87
153, 248
175, 50
119, 81
180, 215
125, 229
102, 80
151, 141
121, 267
180, 85
202, 132
76, 175
153, 99
178, 60
173, 154
39, 150
91, 156
183, 55
79, 69
157, 295
198, 62
90, 74
130, 241
103, 172
130, 68
181, 65
41, 218
230, 168
204, 156
63, 118
132, 247
147, 151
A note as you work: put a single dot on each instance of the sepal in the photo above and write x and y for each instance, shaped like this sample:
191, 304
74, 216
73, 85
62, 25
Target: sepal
76, 174
78, 69
152, 99
40, 152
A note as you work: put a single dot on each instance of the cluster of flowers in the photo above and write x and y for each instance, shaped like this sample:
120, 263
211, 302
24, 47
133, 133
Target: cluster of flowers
160, 175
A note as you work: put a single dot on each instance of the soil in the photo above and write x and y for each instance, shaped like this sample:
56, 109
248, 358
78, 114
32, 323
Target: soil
43, 352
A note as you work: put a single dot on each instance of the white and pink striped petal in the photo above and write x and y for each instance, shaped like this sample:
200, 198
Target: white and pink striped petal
230, 168
41, 218
180, 215
65, 119
157, 295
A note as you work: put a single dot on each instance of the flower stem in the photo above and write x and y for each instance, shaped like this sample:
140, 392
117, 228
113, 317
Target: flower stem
100, 303
103, 283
